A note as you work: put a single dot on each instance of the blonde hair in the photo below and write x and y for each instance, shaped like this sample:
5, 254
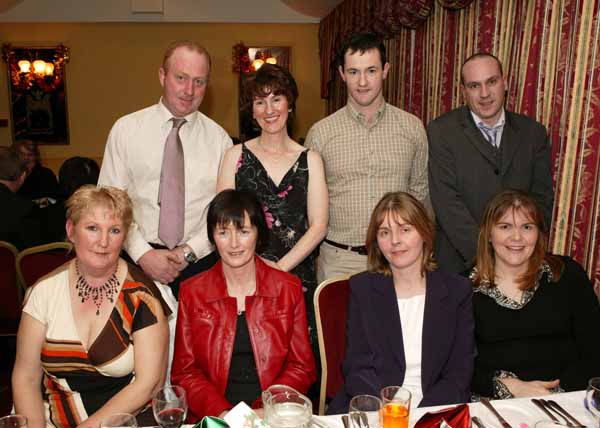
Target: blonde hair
400, 204
89, 197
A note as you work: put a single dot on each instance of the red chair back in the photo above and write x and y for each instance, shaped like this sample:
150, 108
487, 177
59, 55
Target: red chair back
10, 303
33, 263
331, 307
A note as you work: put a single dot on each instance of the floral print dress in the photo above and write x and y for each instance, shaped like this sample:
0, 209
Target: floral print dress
285, 211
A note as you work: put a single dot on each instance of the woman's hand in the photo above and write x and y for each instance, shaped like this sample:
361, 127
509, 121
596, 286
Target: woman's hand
520, 388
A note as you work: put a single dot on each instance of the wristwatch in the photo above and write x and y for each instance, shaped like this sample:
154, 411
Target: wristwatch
189, 255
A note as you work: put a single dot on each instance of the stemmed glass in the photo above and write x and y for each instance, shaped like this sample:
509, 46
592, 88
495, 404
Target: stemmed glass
170, 406
365, 407
119, 420
592, 398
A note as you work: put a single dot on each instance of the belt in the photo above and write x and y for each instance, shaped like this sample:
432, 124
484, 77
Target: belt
360, 249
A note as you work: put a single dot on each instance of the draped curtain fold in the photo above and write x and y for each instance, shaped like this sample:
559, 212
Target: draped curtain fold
550, 53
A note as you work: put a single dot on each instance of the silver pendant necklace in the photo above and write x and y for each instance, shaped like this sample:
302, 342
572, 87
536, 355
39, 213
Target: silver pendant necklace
86, 291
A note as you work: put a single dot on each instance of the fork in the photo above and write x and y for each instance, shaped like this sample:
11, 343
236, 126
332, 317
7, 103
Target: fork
544, 408
559, 409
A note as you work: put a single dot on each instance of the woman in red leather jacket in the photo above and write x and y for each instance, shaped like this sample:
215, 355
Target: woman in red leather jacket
241, 325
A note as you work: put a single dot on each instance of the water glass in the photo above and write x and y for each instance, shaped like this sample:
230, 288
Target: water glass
170, 406
592, 398
365, 406
396, 406
13, 421
288, 409
119, 420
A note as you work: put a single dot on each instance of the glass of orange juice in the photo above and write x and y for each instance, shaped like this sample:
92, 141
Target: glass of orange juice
396, 406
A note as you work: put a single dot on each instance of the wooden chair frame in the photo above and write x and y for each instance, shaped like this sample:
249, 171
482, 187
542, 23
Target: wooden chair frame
38, 249
321, 340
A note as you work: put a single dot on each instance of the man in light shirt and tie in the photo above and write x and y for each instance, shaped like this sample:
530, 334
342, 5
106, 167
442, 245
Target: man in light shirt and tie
477, 150
167, 157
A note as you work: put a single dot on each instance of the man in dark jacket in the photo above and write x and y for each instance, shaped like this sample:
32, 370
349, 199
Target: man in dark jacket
477, 150
19, 217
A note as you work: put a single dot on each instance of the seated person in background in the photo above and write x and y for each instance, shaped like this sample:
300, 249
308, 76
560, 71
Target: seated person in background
408, 324
40, 182
536, 315
241, 326
19, 217
86, 367
74, 173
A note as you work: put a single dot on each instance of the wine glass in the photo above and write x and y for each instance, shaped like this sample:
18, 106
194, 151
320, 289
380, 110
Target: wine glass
13, 421
365, 408
119, 420
170, 406
592, 398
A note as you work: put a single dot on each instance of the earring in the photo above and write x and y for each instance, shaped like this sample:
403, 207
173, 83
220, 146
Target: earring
289, 110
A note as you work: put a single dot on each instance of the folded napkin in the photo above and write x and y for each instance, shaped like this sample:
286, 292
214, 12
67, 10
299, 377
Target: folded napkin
242, 416
211, 422
455, 417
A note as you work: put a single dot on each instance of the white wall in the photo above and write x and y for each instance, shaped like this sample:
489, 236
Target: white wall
250, 11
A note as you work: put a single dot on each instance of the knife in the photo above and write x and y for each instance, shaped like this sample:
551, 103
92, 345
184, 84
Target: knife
564, 412
489, 406
540, 404
477, 422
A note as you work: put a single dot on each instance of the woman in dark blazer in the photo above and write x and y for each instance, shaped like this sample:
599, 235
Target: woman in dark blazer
408, 324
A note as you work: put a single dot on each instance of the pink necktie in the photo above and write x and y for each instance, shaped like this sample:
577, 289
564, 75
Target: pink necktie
171, 193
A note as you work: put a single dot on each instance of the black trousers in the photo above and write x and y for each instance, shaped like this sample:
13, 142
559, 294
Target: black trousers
203, 264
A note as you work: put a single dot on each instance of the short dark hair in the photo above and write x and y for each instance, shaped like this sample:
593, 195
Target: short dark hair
29, 146
479, 55
229, 207
271, 79
361, 42
11, 165
75, 172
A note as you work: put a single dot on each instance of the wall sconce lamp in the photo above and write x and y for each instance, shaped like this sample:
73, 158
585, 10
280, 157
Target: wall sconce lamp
26, 67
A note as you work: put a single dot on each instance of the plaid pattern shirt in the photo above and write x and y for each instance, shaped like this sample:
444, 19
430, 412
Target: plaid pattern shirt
364, 162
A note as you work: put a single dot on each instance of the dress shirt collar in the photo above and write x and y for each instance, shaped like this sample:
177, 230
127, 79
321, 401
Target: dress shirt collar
360, 117
500, 124
166, 116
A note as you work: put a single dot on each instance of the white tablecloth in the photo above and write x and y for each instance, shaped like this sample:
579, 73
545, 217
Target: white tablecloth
519, 412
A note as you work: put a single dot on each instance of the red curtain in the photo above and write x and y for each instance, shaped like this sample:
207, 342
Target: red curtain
550, 50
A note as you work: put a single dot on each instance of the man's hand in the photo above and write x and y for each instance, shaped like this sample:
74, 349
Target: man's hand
178, 253
160, 265
520, 388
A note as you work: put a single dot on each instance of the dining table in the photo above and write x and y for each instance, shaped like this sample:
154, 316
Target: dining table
518, 412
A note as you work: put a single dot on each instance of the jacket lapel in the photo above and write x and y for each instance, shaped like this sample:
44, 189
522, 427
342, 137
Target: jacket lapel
385, 304
433, 327
509, 143
475, 137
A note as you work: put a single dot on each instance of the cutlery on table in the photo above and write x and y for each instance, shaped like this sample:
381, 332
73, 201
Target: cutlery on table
558, 408
477, 422
543, 408
489, 406
345, 421
356, 419
365, 420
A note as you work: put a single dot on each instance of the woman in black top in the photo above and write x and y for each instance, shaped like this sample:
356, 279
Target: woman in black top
536, 314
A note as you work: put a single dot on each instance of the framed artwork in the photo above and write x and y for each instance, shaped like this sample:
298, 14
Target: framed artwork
37, 92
